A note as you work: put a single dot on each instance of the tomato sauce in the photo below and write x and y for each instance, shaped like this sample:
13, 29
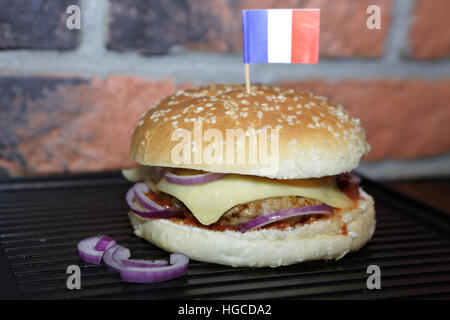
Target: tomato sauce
349, 187
161, 199
280, 225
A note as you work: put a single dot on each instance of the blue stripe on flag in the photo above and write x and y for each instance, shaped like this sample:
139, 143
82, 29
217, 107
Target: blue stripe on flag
254, 28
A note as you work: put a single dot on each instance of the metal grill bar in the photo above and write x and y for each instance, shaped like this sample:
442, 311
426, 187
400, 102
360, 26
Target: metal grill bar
42, 220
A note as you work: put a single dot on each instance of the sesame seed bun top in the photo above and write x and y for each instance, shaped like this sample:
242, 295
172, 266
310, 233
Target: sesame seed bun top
309, 136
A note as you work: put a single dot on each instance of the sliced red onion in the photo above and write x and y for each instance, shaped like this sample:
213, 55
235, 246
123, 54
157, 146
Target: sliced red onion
91, 249
284, 214
156, 214
193, 179
129, 197
179, 264
104, 243
139, 191
116, 258
114, 255
144, 263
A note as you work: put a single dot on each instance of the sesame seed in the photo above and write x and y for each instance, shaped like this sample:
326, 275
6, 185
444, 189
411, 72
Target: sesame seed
260, 114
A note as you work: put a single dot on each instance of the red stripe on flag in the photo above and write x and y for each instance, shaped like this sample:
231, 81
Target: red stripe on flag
305, 36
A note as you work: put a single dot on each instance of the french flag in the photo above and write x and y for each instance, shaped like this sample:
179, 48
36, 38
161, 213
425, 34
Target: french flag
281, 35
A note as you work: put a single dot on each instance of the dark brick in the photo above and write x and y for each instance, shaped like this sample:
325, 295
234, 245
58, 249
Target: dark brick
56, 125
147, 26
28, 111
36, 24
215, 25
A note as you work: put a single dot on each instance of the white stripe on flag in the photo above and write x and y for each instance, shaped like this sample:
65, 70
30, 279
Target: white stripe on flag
279, 35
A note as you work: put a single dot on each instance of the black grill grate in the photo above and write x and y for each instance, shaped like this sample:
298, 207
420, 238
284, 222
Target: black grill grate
42, 220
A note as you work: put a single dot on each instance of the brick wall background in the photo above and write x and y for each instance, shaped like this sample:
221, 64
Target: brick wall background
69, 98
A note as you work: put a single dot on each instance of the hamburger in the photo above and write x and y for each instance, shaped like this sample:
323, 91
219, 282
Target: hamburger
255, 180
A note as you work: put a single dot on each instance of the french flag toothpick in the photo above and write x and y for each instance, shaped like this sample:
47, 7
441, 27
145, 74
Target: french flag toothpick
280, 36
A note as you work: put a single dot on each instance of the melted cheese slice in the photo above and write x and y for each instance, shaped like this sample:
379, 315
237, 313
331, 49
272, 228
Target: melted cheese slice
209, 201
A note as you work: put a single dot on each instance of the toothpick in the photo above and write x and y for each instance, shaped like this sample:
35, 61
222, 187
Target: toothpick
247, 78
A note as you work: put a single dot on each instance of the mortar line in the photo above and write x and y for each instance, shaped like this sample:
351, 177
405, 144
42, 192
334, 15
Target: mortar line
397, 42
92, 30
92, 58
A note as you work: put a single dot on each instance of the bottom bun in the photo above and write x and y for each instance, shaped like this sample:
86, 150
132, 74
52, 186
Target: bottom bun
320, 240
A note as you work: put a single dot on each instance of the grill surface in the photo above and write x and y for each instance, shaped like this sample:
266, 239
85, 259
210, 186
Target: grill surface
41, 222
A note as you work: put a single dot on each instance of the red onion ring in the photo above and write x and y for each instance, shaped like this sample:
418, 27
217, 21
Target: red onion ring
116, 257
179, 265
155, 214
193, 179
144, 263
104, 243
283, 214
139, 191
92, 249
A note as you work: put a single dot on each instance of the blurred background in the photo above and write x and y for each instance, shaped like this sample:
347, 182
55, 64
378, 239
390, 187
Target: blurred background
70, 97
